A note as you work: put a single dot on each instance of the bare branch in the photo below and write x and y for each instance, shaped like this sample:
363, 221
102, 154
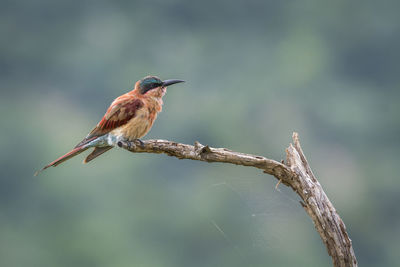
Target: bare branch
296, 174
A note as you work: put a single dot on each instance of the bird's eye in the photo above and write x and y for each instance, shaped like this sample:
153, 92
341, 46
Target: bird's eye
149, 84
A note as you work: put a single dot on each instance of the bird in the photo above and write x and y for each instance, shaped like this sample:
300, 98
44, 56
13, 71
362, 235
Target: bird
129, 117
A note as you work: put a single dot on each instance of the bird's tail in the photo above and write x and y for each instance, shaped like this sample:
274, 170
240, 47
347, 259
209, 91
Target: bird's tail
97, 152
72, 153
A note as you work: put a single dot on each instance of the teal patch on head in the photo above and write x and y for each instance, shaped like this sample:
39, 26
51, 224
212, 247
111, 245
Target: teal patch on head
150, 80
149, 83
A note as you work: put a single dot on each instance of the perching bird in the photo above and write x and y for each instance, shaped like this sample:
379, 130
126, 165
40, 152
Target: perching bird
129, 117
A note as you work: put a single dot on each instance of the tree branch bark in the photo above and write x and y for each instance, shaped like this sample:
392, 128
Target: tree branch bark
296, 174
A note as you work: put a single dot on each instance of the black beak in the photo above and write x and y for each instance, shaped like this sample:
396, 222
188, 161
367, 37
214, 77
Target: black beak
171, 82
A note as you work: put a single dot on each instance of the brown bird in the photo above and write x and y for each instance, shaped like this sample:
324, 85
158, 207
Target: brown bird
129, 117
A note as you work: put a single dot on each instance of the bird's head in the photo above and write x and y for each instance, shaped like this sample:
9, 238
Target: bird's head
152, 85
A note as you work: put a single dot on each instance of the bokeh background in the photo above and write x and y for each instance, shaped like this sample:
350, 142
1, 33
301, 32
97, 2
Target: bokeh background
256, 71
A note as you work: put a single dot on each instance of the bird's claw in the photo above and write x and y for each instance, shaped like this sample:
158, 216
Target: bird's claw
131, 144
139, 143
124, 144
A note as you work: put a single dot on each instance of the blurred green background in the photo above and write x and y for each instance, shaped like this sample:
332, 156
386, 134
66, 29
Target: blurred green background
256, 71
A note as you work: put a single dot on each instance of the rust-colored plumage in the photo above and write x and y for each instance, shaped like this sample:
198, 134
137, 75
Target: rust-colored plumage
122, 110
130, 116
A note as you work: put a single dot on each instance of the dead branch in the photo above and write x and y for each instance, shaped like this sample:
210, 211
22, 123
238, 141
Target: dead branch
296, 174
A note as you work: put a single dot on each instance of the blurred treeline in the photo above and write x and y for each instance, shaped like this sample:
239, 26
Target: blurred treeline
256, 71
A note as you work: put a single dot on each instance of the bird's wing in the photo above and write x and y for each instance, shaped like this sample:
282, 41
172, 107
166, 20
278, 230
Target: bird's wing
121, 110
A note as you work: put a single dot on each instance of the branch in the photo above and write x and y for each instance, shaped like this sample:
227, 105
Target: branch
296, 174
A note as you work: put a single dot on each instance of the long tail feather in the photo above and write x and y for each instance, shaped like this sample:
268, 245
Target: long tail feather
96, 152
66, 157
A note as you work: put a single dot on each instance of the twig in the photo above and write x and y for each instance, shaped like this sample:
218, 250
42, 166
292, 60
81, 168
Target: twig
296, 174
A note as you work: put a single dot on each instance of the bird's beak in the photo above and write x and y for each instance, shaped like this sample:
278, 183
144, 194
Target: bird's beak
171, 82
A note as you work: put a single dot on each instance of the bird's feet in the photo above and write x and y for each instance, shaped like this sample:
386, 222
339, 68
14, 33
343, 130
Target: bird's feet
131, 143
138, 143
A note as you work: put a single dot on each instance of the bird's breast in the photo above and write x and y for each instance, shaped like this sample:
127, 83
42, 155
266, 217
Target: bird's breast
138, 126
